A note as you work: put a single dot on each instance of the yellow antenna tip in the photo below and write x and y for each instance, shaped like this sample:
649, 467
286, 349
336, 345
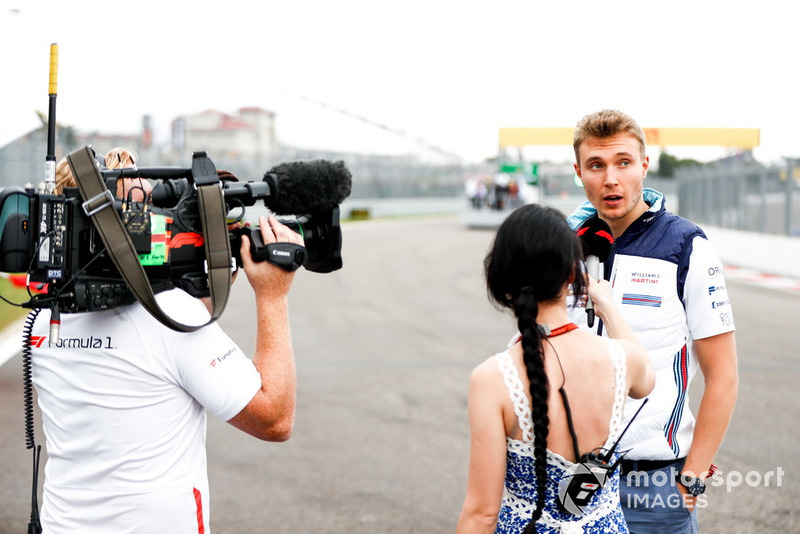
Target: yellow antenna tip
53, 86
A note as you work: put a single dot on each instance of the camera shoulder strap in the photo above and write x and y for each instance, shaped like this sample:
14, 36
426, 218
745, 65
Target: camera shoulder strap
97, 201
211, 201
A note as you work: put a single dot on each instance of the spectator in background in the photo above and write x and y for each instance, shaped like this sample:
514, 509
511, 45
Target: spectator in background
472, 192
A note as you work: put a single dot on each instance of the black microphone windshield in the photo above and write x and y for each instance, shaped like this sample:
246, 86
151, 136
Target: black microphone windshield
596, 238
307, 186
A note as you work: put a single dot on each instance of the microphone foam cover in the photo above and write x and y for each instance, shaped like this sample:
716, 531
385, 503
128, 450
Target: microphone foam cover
596, 238
308, 186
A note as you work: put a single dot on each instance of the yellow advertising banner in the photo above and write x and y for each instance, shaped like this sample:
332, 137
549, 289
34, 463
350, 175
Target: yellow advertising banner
743, 138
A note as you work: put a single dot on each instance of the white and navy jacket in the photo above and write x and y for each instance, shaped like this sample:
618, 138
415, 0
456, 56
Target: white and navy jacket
667, 280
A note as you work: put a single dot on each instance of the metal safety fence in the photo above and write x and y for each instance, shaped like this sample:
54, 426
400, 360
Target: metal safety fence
747, 196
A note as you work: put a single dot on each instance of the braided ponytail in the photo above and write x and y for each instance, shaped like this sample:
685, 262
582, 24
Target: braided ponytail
526, 308
533, 257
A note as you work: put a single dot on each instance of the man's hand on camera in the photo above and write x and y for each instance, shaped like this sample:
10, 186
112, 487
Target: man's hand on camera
270, 413
266, 278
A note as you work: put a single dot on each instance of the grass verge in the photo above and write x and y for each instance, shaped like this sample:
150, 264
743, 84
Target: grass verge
11, 314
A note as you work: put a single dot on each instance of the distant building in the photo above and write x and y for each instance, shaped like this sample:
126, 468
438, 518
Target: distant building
250, 134
244, 143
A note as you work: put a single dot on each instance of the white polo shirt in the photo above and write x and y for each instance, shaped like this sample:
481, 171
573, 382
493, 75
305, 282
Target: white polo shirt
123, 401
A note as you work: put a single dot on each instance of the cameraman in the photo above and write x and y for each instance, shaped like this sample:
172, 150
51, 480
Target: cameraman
124, 402
116, 158
125, 158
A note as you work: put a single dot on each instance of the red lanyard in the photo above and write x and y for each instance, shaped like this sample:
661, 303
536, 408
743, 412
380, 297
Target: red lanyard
561, 330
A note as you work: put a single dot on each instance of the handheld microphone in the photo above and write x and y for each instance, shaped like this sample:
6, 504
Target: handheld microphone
596, 240
307, 186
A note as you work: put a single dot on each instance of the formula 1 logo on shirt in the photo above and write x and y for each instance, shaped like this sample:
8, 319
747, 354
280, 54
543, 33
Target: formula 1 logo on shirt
90, 342
222, 358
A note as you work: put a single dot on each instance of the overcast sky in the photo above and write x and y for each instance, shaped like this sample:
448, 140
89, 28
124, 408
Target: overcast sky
445, 73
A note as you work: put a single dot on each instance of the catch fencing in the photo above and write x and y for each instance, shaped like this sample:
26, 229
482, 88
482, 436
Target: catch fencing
374, 175
742, 196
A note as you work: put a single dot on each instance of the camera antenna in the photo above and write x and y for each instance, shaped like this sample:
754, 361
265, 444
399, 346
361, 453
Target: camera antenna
50, 160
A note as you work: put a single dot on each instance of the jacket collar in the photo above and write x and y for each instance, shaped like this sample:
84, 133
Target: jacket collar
653, 198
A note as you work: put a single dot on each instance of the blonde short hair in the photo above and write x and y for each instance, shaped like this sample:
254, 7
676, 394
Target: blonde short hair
121, 157
604, 124
64, 177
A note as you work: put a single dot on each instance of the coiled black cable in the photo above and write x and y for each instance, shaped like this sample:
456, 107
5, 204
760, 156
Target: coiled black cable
35, 526
27, 385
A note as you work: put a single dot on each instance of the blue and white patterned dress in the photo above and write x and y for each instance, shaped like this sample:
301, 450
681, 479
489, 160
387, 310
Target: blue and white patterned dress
603, 514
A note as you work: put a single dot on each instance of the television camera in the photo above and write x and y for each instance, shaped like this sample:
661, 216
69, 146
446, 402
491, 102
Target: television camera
53, 238
84, 250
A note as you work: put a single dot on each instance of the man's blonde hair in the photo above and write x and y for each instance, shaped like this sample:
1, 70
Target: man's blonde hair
121, 157
116, 158
604, 124
64, 177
